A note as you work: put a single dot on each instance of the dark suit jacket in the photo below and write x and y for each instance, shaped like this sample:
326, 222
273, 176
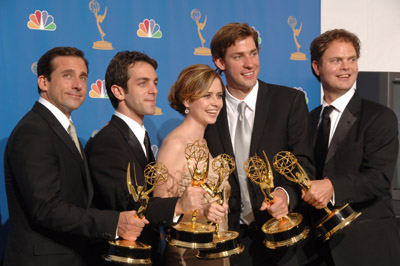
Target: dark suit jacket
49, 193
360, 163
109, 152
281, 124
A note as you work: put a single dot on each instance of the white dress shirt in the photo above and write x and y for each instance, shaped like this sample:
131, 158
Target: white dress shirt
339, 105
61, 117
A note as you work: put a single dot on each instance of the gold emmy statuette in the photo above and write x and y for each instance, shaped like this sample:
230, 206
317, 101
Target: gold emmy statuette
196, 16
194, 235
334, 220
94, 7
292, 21
129, 252
226, 242
286, 231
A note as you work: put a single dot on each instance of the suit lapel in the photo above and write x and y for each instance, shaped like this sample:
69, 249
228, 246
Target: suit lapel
60, 131
223, 131
224, 135
132, 141
262, 106
315, 114
346, 122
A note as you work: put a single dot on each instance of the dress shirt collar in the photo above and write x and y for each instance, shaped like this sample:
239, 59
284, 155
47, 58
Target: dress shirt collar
61, 117
251, 100
340, 103
138, 130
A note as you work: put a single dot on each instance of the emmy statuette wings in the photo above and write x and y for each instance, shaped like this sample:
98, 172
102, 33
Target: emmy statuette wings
128, 252
227, 241
334, 220
194, 235
286, 231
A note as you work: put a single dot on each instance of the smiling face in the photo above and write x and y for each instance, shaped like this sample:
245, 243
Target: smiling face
140, 98
241, 66
206, 109
337, 70
66, 88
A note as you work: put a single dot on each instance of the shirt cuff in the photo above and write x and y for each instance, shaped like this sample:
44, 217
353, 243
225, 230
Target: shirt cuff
176, 218
287, 194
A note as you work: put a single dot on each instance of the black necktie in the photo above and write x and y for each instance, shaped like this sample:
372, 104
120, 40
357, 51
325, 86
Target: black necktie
322, 140
150, 156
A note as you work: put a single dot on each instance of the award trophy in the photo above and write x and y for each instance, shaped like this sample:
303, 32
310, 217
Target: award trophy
194, 235
289, 229
286, 164
94, 7
196, 16
226, 242
292, 21
129, 252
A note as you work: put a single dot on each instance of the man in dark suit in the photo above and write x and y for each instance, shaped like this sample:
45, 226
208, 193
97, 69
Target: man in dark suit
278, 120
131, 83
360, 160
48, 186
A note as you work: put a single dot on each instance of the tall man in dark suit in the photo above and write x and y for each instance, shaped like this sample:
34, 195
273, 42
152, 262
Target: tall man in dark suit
278, 120
131, 83
361, 157
48, 186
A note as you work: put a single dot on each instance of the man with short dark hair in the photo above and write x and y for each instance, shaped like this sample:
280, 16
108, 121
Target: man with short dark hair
48, 185
131, 83
356, 162
277, 119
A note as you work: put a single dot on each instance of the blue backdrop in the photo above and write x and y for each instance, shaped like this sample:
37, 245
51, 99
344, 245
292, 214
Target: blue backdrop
177, 33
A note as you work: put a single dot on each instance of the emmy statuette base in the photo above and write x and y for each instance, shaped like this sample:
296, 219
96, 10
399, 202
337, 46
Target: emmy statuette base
202, 51
298, 56
127, 252
102, 45
336, 220
226, 245
183, 235
284, 232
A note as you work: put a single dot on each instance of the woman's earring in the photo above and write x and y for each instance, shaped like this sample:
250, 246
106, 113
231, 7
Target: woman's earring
186, 111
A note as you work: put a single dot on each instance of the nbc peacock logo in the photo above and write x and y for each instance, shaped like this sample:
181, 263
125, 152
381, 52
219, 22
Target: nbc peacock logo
41, 20
149, 29
259, 35
305, 93
98, 90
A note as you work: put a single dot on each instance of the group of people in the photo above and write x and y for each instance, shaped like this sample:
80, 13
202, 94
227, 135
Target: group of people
65, 201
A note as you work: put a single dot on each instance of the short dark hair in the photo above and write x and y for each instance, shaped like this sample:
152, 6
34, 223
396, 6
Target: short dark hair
45, 64
193, 83
227, 36
323, 41
117, 71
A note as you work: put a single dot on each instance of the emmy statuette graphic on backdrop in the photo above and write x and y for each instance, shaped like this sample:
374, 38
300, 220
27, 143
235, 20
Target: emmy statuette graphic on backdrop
196, 16
283, 232
94, 7
292, 21
226, 242
194, 235
334, 220
129, 252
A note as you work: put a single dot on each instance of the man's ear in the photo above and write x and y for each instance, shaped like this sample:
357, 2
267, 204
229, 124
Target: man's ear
42, 83
118, 92
316, 66
219, 62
